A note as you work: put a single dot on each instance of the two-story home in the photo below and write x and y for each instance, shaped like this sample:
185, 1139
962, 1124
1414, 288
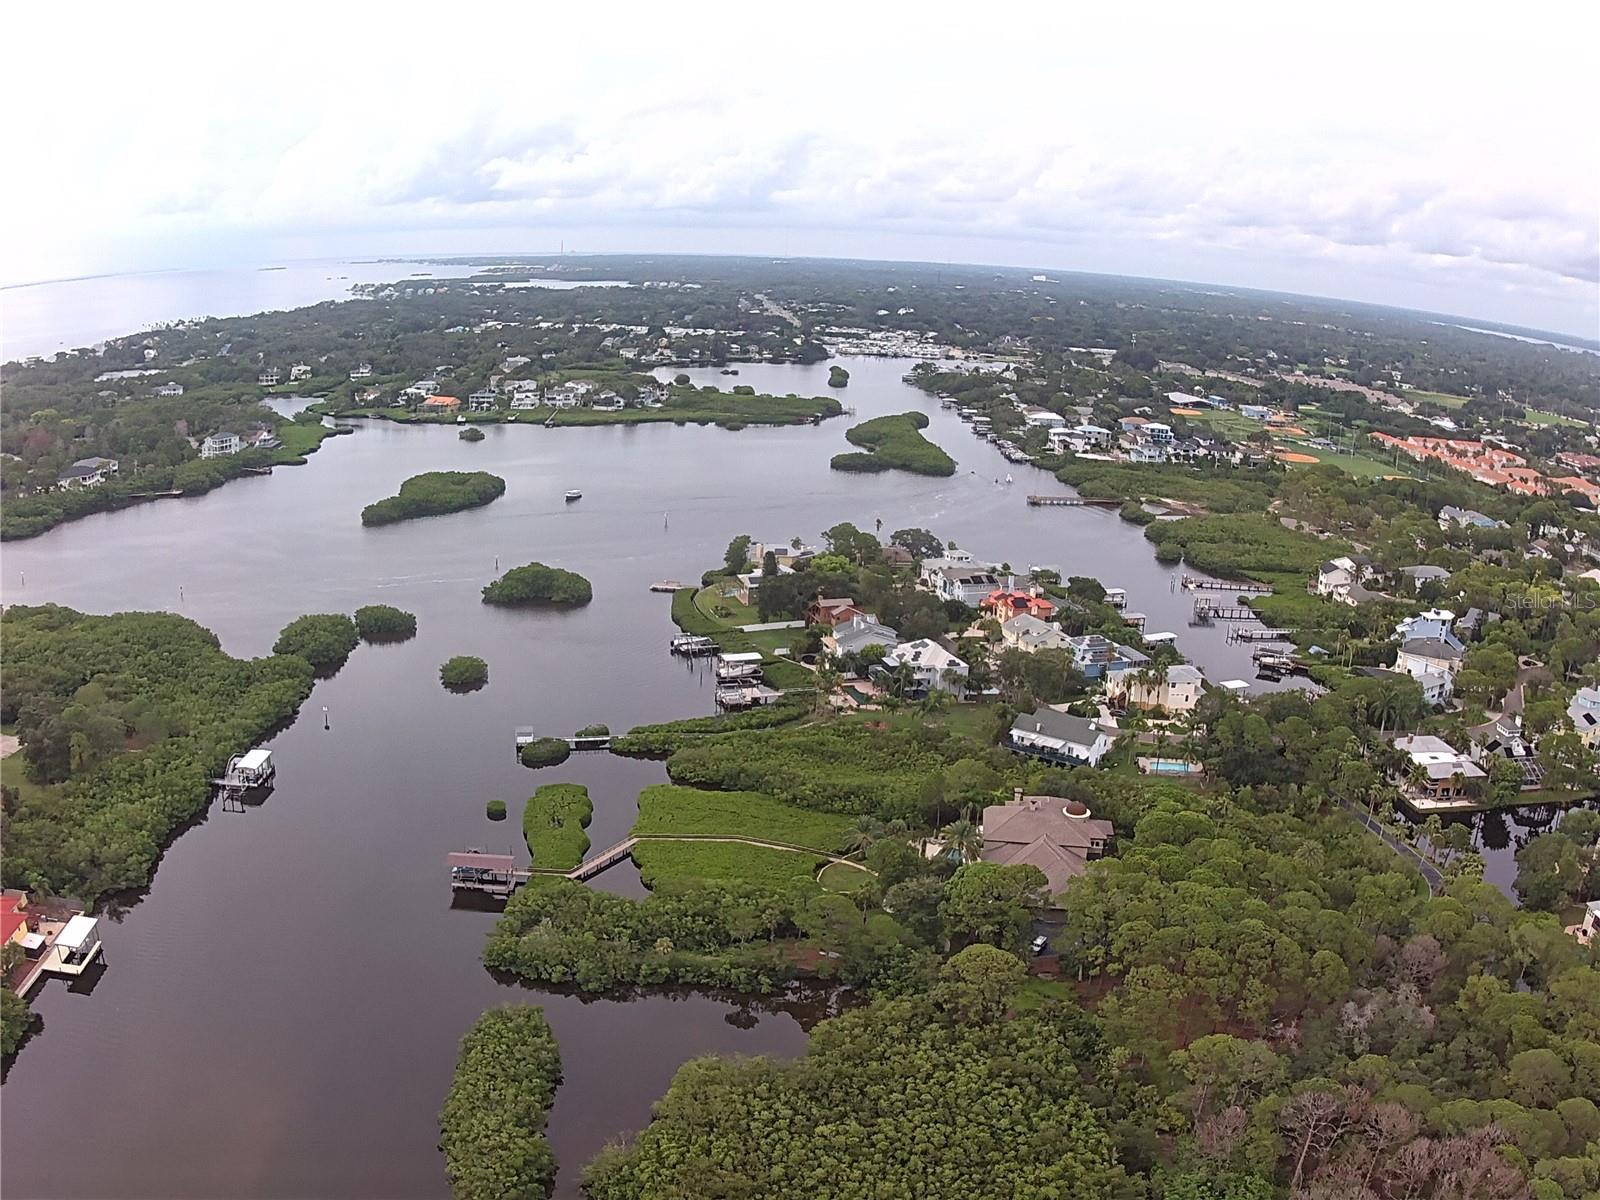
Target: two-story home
854, 635
220, 445
299, 371
967, 583
830, 610
1097, 656
1337, 576
1436, 774
932, 666
1057, 836
1029, 634
361, 371
168, 389
1005, 603
1059, 737
1178, 689
482, 400
87, 472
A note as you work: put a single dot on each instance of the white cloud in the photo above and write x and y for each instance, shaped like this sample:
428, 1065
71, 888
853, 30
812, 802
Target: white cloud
1374, 153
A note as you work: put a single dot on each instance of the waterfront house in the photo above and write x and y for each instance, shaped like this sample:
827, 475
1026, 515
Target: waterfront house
1502, 739
420, 390
168, 389
830, 611
1177, 690
1437, 775
1097, 656
1584, 713
13, 916
932, 666
1004, 603
482, 400
299, 371
1057, 836
260, 439
652, 395
1042, 418
87, 472
361, 371
1030, 635
1059, 737
1337, 576
967, 583
440, 404
1080, 439
269, 377
220, 445
856, 634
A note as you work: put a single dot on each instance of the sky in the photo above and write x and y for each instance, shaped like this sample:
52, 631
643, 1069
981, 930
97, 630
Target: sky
1432, 156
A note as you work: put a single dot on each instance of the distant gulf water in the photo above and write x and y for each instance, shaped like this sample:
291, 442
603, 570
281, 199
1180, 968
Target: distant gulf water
42, 318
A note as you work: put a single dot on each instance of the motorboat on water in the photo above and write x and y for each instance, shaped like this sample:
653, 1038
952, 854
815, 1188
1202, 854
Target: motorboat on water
573, 494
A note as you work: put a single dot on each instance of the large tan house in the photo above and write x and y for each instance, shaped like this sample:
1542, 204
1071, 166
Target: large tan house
1057, 836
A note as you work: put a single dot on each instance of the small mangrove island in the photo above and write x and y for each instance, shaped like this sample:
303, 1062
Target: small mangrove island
553, 824
838, 377
463, 673
537, 584
434, 493
894, 441
385, 623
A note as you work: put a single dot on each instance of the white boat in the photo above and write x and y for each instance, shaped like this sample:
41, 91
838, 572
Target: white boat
574, 494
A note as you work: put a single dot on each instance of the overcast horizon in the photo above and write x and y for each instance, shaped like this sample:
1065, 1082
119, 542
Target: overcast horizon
1382, 159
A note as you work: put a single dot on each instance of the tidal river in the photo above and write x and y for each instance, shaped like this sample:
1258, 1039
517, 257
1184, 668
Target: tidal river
279, 1015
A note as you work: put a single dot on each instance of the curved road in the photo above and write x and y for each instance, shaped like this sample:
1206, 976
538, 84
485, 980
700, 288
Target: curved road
1430, 873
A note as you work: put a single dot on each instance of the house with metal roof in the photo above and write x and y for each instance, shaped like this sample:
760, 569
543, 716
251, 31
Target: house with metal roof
1059, 737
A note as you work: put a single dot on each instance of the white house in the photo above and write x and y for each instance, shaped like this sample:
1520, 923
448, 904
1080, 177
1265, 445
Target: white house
299, 371
269, 377
1502, 738
970, 583
1177, 691
168, 389
1433, 623
1433, 663
87, 472
1042, 418
929, 662
1584, 713
1337, 576
856, 634
361, 371
219, 445
1029, 634
1438, 771
421, 389
1059, 737
482, 400
1080, 439
1451, 517
1157, 432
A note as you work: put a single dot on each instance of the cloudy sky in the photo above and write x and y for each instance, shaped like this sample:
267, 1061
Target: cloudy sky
1433, 156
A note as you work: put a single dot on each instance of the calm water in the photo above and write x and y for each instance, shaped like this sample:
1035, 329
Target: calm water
41, 318
279, 1017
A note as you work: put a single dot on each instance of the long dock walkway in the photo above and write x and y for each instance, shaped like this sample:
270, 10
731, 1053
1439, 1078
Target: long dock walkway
1072, 502
611, 855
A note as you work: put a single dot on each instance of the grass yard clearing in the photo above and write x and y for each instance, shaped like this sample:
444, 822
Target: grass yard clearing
666, 808
553, 824
725, 862
836, 877
1443, 399
1534, 416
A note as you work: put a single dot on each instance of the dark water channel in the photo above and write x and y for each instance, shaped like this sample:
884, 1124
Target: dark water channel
279, 1016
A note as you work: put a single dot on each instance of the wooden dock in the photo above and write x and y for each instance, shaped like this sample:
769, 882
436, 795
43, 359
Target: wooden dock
1072, 502
608, 857
1238, 633
1206, 611
1191, 583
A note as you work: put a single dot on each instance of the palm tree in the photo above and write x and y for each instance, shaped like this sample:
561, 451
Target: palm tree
963, 837
858, 839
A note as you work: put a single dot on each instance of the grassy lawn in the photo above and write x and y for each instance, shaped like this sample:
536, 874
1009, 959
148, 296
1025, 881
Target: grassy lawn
1035, 991
730, 862
668, 809
1534, 416
1443, 399
300, 440
836, 877
13, 769
704, 618
975, 721
1361, 465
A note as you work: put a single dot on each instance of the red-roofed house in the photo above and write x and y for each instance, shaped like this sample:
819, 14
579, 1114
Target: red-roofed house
1574, 483
13, 921
440, 404
1006, 604
832, 612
